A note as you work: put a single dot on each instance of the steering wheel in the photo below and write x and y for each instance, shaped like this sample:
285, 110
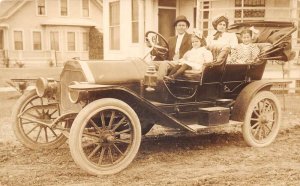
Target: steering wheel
157, 42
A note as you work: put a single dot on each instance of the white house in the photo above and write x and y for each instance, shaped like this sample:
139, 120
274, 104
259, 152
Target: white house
49, 31
126, 21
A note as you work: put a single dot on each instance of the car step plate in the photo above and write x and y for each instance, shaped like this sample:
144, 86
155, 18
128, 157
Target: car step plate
200, 128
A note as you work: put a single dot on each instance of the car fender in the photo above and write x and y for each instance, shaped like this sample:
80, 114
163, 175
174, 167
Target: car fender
135, 101
241, 103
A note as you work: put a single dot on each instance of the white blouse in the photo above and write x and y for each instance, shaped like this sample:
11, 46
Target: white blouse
226, 40
196, 57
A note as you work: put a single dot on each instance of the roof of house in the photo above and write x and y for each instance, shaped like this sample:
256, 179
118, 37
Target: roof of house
99, 3
9, 7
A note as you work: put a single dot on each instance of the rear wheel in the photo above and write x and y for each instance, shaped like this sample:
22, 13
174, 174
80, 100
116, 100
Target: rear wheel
105, 136
262, 121
29, 114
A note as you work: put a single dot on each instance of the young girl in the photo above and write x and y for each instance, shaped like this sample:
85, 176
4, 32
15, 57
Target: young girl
192, 59
245, 52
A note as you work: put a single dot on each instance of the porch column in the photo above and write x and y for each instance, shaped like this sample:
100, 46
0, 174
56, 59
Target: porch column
142, 24
198, 14
6, 38
294, 18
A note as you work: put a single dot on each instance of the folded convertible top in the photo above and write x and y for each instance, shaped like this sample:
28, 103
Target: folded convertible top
274, 32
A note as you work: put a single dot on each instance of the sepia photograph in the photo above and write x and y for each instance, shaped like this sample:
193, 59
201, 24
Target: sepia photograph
149, 92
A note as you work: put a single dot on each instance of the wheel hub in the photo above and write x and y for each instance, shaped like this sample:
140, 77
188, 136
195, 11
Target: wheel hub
110, 138
263, 119
45, 116
107, 136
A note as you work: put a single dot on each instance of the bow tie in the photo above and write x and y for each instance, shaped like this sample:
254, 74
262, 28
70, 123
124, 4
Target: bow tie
217, 35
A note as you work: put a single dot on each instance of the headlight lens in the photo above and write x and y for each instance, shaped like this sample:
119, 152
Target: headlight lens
46, 87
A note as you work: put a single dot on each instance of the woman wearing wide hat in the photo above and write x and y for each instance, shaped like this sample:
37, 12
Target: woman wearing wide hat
221, 39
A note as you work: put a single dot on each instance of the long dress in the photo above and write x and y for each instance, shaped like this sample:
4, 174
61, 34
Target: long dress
196, 57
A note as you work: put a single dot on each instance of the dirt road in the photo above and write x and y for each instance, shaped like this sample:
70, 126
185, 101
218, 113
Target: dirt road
215, 158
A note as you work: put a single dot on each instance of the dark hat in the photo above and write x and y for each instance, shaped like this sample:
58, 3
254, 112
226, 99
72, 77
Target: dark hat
181, 18
219, 19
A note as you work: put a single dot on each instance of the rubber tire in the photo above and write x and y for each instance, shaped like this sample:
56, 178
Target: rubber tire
77, 128
21, 136
246, 128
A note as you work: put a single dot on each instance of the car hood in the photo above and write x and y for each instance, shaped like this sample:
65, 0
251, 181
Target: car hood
110, 72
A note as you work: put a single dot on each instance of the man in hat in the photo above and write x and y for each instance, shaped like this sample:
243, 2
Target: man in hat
178, 46
181, 43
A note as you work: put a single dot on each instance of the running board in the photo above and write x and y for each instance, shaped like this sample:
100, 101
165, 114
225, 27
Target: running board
198, 128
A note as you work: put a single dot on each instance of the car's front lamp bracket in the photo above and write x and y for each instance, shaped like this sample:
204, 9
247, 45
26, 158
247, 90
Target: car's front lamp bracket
46, 87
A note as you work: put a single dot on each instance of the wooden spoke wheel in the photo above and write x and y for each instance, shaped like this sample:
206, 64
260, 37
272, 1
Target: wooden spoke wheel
262, 121
105, 136
31, 113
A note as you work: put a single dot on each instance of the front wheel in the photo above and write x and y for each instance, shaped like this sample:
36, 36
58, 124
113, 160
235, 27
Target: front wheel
105, 137
28, 116
262, 121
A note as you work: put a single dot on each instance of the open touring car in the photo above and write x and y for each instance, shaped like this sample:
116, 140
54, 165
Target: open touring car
104, 108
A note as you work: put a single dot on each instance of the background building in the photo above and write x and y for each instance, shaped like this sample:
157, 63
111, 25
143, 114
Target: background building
125, 22
50, 31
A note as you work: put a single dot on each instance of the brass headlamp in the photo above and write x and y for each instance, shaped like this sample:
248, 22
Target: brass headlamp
46, 87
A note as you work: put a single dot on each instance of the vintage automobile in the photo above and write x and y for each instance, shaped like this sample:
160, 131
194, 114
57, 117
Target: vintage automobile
105, 107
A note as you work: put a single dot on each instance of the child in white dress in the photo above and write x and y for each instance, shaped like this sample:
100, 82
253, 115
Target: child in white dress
192, 59
245, 52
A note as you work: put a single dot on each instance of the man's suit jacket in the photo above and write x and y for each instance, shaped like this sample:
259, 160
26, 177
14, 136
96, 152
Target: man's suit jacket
186, 45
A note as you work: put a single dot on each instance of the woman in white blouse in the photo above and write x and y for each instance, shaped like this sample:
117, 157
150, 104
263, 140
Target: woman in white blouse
221, 39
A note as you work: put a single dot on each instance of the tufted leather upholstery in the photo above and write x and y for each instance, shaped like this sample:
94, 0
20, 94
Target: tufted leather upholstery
213, 72
220, 60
